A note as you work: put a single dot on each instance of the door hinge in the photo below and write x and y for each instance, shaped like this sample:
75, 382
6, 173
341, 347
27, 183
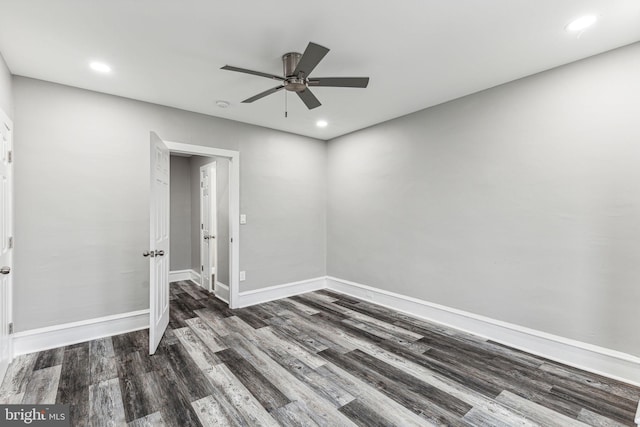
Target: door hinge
232, 240
202, 268
10, 242
10, 156
11, 328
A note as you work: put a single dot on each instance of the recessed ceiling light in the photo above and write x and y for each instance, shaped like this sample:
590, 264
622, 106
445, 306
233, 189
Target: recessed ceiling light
582, 23
100, 67
222, 104
322, 123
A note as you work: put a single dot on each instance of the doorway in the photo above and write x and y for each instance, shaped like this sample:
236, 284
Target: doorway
214, 221
160, 219
200, 240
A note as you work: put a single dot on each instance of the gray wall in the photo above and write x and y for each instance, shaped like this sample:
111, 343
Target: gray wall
6, 89
180, 226
222, 236
521, 203
82, 195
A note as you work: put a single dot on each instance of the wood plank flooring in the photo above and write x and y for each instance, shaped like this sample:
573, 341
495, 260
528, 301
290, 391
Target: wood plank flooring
320, 358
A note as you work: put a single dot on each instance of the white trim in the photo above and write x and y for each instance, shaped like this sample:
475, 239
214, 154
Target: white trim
271, 293
75, 332
195, 277
221, 291
637, 421
234, 206
201, 150
4, 119
181, 275
588, 357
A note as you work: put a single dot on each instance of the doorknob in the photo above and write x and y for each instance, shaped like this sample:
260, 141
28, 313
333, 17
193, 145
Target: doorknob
209, 237
5, 270
147, 253
159, 253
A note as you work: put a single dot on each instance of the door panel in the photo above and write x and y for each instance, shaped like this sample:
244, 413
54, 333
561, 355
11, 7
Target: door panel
6, 230
205, 233
159, 244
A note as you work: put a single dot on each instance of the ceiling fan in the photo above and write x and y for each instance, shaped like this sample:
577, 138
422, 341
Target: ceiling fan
296, 68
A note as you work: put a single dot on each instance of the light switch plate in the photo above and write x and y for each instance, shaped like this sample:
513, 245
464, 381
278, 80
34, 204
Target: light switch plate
243, 276
243, 219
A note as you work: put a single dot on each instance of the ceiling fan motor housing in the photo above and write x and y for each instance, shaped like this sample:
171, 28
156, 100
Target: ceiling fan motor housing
292, 82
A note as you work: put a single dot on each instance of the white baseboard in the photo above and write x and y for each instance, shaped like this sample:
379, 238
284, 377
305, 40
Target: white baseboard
592, 358
195, 277
181, 275
76, 332
221, 291
637, 421
271, 293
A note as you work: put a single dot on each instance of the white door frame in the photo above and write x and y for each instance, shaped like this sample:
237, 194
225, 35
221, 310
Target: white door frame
213, 214
234, 207
6, 139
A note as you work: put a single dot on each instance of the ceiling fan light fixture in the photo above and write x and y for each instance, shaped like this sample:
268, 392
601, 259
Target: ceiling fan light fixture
322, 123
582, 23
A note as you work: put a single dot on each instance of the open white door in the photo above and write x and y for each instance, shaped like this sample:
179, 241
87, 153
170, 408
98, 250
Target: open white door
207, 224
6, 242
205, 234
159, 246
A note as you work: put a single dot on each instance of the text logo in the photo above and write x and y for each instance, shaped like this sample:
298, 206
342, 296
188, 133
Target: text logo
34, 415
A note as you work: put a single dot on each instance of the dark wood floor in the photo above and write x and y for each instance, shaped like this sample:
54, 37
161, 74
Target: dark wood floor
317, 359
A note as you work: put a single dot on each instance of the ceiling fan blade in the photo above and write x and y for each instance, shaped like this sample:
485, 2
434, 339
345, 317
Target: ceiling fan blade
361, 82
255, 73
312, 55
263, 94
309, 99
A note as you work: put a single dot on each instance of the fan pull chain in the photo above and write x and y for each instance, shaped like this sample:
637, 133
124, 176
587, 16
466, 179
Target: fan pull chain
286, 113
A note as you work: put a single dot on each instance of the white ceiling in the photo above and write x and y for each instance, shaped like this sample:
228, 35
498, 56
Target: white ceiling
418, 53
